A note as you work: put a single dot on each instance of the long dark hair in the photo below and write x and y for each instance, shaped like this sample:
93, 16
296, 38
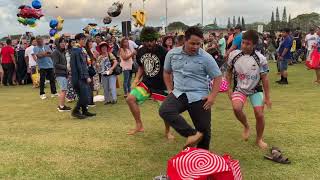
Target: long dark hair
89, 50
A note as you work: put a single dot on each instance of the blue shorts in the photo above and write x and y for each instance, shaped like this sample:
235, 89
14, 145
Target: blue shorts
283, 65
63, 83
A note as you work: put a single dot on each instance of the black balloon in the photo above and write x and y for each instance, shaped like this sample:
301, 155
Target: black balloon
107, 20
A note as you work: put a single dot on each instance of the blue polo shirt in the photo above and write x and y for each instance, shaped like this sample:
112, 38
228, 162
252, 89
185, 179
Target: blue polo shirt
190, 73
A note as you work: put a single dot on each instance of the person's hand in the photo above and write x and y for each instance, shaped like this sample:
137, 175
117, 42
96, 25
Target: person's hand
209, 102
280, 58
134, 52
88, 80
268, 103
135, 83
110, 71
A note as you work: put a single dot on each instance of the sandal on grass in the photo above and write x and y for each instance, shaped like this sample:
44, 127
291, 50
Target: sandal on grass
276, 156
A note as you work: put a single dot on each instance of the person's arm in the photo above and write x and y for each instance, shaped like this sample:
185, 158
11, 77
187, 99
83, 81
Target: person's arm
124, 56
114, 64
266, 88
74, 68
212, 69
138, 77
57, 62
13, 58
168, 80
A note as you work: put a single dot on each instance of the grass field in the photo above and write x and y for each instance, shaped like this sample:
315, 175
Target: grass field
37, 142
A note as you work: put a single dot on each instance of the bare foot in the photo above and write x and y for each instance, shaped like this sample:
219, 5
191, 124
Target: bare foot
135, 131
262, 145
170, 136
246, 134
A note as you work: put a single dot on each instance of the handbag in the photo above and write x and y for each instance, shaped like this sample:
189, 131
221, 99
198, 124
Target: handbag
117, 70
135, 67
92, 72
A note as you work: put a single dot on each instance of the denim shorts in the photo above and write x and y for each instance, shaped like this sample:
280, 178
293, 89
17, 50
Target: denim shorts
63, 83
283, 65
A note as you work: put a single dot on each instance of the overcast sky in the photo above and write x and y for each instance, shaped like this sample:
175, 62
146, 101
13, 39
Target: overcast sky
78, 13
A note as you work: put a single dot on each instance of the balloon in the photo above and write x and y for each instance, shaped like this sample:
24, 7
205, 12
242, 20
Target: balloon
22, 21
107, 20
59, 27
36, 4
52, 32
30, 21
60, 19
56, 36
139, 17
115, 9
53, 23
60, 23
94, 32
33, 25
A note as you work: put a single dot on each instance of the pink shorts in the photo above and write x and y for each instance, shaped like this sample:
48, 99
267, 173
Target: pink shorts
255, 99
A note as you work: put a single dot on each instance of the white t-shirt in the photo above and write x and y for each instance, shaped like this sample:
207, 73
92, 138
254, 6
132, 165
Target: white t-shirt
132, 45
29, 52
311, 39
247, 70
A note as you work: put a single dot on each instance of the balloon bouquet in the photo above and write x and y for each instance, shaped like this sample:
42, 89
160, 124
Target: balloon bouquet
56, 26
29, 15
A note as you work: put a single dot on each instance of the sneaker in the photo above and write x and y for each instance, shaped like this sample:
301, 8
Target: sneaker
43, 97
283, 82
54, 95
78, 115
64, 109
91, 105
88, 114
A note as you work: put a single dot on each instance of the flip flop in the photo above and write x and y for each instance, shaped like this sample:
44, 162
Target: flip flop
276, 156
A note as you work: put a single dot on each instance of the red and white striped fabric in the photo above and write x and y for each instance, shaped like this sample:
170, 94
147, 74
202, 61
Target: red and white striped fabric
199, 164
224, 86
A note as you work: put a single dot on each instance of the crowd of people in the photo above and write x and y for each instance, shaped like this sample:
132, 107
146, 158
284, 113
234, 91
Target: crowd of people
174, 70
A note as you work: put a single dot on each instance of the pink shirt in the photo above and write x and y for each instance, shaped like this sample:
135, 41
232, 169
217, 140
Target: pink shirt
126, 64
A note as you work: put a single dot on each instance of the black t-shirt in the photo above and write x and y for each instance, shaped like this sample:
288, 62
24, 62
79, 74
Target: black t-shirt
152, 62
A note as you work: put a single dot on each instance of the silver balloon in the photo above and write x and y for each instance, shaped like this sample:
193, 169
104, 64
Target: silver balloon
115, 9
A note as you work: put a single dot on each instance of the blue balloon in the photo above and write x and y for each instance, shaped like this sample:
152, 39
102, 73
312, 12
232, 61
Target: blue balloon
94, 32
36, 4
52, 32
53, 23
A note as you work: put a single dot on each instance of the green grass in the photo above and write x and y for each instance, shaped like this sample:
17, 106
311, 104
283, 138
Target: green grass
37, 142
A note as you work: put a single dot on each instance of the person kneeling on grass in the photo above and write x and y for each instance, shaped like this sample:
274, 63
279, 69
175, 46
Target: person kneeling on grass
248, 68
60, 65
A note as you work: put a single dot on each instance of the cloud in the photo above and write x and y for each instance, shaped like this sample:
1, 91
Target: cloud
77, 13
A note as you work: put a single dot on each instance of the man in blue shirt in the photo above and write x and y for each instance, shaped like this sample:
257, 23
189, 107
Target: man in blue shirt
236, 43
186, 73
42, 54
284, 55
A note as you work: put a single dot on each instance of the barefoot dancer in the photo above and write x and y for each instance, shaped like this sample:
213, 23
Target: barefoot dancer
190, 67
151, 60
249, 67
